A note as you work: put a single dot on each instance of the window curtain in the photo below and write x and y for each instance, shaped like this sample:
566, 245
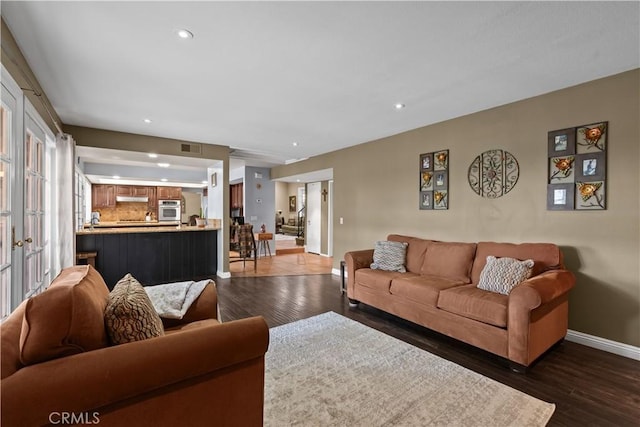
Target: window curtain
65, 241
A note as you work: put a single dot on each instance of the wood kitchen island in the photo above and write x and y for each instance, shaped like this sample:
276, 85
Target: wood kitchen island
152, 254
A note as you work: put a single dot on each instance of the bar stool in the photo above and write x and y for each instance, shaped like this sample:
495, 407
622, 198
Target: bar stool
90, 258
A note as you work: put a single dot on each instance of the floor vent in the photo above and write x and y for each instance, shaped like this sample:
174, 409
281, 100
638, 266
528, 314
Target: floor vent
191, 148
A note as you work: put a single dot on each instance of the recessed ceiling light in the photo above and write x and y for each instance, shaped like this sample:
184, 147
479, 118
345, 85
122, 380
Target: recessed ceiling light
164, 165
295, 144
116, 177
164, 179
184, 34
147, 120
153, 155
399, 106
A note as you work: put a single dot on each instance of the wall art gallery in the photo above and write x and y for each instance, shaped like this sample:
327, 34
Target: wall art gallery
434, 180
577, 167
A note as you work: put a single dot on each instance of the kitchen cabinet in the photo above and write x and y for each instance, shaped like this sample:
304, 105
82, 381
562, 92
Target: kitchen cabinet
169, 193
153, 202
139, 191
103, 196
124, 190
132, 191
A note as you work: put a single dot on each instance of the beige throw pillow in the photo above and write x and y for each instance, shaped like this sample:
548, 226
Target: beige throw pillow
129, 315
501, 275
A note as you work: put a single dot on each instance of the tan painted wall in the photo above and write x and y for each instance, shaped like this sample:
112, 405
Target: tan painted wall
376, 192
193, 205
101, 138
282, 198
293, 191
16, 64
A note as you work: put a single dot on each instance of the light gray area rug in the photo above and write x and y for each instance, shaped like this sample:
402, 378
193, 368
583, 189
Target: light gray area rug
329, 370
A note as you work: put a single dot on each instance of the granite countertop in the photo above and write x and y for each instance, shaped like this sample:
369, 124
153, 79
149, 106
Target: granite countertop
115, 224
146, 228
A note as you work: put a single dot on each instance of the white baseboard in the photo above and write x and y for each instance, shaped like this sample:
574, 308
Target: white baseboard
223, 274
604, 344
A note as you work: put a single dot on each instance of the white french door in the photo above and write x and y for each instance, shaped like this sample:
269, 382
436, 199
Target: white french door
24, 246
35, 264
11, 126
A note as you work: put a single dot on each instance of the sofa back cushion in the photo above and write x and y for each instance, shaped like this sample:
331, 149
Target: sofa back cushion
67, 318
451, 260
546, 256
415, 251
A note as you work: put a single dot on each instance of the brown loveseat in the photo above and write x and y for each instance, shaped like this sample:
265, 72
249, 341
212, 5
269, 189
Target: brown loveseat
58, 367
439, 291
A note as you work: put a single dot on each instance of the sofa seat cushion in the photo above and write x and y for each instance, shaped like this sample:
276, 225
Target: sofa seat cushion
65, 319
474, 303
421, 289
451, 260
379, 280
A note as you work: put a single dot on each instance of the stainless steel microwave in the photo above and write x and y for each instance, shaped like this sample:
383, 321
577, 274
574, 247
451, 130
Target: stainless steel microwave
169, 210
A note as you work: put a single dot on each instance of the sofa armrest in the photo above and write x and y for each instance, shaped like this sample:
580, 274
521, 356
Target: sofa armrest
110, 376
355, 260
537, 314
204, 307
541, 289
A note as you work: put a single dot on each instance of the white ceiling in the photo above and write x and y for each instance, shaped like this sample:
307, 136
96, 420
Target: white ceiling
259, 76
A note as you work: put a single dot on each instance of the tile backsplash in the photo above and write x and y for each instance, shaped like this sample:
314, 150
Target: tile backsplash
125, 211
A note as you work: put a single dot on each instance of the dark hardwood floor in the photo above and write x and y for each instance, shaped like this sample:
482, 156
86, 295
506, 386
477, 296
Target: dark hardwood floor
589, 387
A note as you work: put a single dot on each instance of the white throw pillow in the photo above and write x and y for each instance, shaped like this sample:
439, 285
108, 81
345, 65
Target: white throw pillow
501, 275
389, 256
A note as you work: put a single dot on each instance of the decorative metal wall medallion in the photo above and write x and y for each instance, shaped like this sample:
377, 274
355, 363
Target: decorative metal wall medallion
493, 173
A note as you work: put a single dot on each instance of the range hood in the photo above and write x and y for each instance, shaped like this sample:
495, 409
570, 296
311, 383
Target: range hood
139, 199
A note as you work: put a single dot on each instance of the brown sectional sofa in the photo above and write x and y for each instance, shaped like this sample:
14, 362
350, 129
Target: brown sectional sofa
58, 366
439, 291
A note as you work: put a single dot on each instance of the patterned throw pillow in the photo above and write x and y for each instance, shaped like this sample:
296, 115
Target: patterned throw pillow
129, 315
501, 275
389, 256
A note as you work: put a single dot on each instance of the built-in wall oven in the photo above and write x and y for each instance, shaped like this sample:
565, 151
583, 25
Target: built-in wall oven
169, 210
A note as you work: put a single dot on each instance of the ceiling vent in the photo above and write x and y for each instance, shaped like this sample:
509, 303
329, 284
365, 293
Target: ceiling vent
191, 148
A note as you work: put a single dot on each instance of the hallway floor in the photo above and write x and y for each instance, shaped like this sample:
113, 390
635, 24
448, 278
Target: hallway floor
283, 264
